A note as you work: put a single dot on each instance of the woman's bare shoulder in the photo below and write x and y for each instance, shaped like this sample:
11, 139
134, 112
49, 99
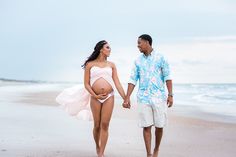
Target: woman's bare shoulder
90, 64
111, 64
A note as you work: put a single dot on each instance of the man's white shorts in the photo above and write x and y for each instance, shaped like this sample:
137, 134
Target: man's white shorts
155, 114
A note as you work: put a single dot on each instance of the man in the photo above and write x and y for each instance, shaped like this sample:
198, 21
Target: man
153, 72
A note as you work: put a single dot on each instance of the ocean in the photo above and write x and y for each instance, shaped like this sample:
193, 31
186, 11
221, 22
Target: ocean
215, 99
210, 98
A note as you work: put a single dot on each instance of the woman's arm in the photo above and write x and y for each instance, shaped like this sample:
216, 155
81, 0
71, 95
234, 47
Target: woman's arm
117, 81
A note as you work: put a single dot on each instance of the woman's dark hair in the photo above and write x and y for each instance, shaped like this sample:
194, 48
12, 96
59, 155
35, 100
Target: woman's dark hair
95, 53
147, 38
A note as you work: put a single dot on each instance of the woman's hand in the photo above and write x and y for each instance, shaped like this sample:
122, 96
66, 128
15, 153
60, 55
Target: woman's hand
101, 96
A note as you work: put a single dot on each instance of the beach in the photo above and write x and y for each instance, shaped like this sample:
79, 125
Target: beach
33, 125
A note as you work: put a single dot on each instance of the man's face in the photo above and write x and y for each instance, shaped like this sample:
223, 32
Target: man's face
142, 45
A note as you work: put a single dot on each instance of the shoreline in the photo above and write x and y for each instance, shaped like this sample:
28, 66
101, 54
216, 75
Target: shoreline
47, 98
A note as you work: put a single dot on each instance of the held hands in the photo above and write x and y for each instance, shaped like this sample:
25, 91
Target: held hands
126, 103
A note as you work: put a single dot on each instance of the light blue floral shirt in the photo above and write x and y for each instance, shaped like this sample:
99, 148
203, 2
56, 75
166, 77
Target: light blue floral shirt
152, 72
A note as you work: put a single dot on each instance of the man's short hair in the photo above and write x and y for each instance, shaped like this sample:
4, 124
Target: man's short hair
147, 38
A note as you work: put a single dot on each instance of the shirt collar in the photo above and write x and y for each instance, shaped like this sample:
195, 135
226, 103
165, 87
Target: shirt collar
150, 55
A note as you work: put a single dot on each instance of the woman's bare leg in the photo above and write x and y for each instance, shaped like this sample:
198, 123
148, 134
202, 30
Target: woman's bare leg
96, 107
107, 108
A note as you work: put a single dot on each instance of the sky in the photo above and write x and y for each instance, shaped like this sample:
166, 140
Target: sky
50, 39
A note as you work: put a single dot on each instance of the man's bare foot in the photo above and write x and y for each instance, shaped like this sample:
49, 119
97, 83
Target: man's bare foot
155, 153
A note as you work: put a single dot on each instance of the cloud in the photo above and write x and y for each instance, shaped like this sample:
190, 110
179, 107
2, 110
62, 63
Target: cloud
215, 39
192, 62
202, 62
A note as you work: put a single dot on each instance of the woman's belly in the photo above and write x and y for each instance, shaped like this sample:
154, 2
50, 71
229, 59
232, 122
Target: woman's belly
101, 86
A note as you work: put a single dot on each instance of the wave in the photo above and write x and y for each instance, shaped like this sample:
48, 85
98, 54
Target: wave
215, 99
37, 81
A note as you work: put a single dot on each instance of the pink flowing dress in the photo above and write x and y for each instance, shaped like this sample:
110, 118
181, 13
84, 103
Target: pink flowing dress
76, 100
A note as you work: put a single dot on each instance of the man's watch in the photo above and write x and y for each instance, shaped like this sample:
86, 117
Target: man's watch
170, 94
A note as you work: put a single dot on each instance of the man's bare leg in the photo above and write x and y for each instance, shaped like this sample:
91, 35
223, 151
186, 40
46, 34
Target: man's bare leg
158, 133
147, 135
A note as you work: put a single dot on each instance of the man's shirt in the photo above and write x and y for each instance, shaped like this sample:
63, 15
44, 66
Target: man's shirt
152, 71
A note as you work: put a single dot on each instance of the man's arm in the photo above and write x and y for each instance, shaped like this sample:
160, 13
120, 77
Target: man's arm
130, 89
134, 77
170, 93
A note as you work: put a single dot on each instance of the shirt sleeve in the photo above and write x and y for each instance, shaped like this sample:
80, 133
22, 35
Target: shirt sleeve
165, 69
134, 74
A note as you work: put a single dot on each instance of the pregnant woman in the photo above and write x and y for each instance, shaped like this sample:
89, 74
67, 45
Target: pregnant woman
100, 76
100, 80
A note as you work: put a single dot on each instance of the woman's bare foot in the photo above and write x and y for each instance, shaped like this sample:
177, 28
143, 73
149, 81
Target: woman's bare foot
101, 155
149, 155
98, 150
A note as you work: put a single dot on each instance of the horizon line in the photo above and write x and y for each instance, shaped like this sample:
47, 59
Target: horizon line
77, 82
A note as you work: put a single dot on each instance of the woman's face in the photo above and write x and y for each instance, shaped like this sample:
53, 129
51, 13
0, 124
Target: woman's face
106, 50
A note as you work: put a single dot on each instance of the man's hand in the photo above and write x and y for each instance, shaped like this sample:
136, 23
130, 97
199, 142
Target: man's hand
170, 101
